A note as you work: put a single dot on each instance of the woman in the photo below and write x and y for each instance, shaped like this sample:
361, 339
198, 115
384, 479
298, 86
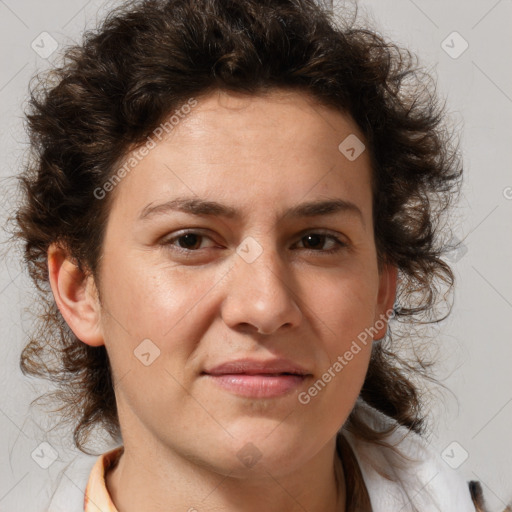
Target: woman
254, 368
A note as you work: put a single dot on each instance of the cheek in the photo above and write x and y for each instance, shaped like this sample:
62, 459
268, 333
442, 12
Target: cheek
151, 326
346, 305
152, 300
346, 309
346, 312
156, 311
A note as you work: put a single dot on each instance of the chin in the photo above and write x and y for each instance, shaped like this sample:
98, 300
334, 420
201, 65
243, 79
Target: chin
270, 447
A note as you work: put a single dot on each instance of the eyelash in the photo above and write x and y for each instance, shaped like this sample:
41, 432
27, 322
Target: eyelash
339, 245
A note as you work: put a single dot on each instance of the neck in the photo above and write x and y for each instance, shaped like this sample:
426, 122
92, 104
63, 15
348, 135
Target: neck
151, 479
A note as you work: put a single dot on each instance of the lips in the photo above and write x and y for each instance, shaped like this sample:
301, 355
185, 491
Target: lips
258, 379
255, 367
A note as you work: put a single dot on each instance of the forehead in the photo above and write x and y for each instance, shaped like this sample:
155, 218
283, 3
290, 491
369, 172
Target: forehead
276, 146
281, 114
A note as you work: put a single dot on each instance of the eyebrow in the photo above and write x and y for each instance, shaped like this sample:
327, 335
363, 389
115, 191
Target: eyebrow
203, 207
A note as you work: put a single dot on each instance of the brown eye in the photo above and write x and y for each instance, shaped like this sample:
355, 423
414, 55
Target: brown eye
317, 241
189, 240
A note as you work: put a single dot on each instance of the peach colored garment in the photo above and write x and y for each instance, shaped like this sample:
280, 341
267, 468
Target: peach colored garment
423, 479
97, 497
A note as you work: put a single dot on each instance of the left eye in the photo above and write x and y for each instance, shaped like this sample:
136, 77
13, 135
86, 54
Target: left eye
319, 239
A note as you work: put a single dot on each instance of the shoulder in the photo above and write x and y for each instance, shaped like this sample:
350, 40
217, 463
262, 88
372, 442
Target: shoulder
407, 475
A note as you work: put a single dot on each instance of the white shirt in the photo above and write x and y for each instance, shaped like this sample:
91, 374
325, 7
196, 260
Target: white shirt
429, 484
393, 484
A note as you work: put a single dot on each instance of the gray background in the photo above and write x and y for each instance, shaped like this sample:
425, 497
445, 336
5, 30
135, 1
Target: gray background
475, 343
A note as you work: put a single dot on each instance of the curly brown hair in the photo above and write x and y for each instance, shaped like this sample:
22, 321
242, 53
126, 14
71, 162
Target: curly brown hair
144, 61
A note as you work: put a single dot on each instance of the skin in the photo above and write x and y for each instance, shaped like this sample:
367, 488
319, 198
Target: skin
181, 431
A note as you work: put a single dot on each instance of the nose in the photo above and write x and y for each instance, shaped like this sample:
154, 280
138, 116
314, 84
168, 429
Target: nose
260, 295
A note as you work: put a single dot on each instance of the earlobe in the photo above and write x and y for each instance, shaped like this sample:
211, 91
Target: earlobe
388, 280
75, 295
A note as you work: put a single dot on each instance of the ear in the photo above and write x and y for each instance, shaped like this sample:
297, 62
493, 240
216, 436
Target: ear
76, 296
388, 278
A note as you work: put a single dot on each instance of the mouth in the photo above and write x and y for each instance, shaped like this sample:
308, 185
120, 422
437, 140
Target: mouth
258, 379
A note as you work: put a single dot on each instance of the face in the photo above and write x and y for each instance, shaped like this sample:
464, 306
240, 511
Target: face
220, 318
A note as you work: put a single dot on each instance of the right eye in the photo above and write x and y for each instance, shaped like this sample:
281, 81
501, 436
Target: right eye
187, 240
